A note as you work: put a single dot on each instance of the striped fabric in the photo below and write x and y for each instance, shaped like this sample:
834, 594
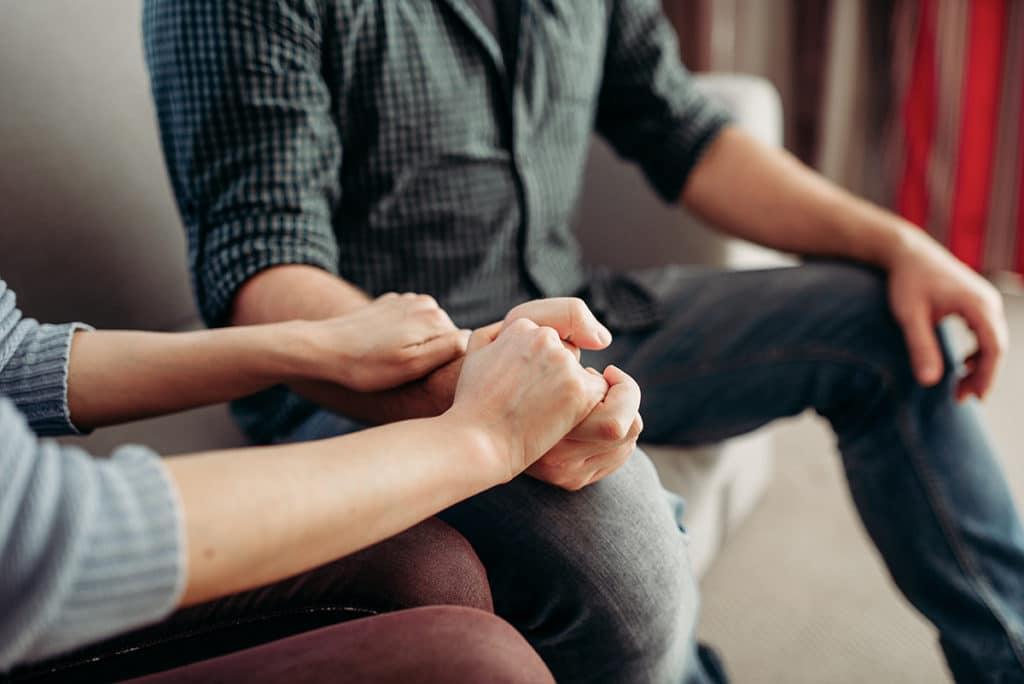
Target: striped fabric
959, 156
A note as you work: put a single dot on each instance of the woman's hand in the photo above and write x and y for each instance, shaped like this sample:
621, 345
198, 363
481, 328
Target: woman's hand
526, 390
391, 341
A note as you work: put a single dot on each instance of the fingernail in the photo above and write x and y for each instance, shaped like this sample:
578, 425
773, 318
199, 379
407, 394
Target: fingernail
604, 335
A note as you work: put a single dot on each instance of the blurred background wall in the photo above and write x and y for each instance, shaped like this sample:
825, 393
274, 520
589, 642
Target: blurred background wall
916, 104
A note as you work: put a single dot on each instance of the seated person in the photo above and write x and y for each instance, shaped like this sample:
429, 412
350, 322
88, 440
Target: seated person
326, 151
90, 549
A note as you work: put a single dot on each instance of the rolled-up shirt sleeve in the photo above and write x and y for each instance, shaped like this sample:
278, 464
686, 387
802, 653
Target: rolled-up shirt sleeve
250, 144
649, 109
89, 548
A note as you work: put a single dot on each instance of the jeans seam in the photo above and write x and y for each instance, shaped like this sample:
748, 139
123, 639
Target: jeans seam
819, 353
801, 354
189, 633
806, 353
944, 517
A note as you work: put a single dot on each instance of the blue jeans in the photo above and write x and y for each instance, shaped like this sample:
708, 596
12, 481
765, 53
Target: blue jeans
599, 581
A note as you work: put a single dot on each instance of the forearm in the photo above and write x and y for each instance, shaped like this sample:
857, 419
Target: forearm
304, 292
258, 515
114, 377
765, 195
291, 292
424, 398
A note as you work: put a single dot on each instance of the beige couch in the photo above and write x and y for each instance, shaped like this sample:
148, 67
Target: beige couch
88, 228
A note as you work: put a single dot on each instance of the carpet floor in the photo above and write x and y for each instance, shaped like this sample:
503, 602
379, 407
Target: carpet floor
799, 595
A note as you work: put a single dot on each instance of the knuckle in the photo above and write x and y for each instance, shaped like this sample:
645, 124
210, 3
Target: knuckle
572, 386
574, 481
515, 312
612, 429
520, 325
546, 340
574, 380
981, 302
577, 307
427, 301
435, 315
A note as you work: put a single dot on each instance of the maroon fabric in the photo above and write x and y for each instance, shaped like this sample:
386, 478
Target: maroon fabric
420, 646
430, 564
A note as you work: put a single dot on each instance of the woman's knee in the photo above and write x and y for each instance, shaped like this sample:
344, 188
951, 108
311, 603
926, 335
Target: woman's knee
429, 564
431, 645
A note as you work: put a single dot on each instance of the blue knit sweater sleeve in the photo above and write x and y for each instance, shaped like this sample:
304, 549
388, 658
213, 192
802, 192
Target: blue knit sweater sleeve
89, 548
34, 367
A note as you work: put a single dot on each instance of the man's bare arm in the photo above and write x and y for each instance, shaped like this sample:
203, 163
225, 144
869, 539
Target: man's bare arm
303, 292
765, 195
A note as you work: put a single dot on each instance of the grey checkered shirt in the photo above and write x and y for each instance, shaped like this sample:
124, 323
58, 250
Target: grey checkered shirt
389, 142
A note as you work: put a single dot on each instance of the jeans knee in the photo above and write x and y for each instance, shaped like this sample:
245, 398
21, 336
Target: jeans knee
652, 598
872, 375
635, 589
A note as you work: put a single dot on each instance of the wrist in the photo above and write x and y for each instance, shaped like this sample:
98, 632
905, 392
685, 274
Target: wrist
439, 387
485, 450
296, 353
888, 238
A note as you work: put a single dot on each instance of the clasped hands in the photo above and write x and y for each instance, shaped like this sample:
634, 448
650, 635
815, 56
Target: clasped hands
520, 379
603, 440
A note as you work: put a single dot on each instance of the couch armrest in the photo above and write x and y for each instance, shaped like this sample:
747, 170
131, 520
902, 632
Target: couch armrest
722, 483
616, 196
753, 102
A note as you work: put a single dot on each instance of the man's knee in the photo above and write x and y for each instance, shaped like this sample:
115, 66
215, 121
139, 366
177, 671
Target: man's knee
869, 371
610, 587
852, 313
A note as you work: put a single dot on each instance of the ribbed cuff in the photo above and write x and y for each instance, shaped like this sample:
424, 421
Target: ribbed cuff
130, 567
36, 379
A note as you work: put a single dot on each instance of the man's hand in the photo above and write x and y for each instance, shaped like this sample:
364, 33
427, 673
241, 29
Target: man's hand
926, 284
787, 206
571, 318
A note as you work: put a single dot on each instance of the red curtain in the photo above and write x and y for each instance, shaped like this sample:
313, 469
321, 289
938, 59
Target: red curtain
959, 75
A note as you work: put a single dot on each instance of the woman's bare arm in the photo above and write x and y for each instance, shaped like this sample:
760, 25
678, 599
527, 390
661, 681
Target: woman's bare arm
115, 377
257, 515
